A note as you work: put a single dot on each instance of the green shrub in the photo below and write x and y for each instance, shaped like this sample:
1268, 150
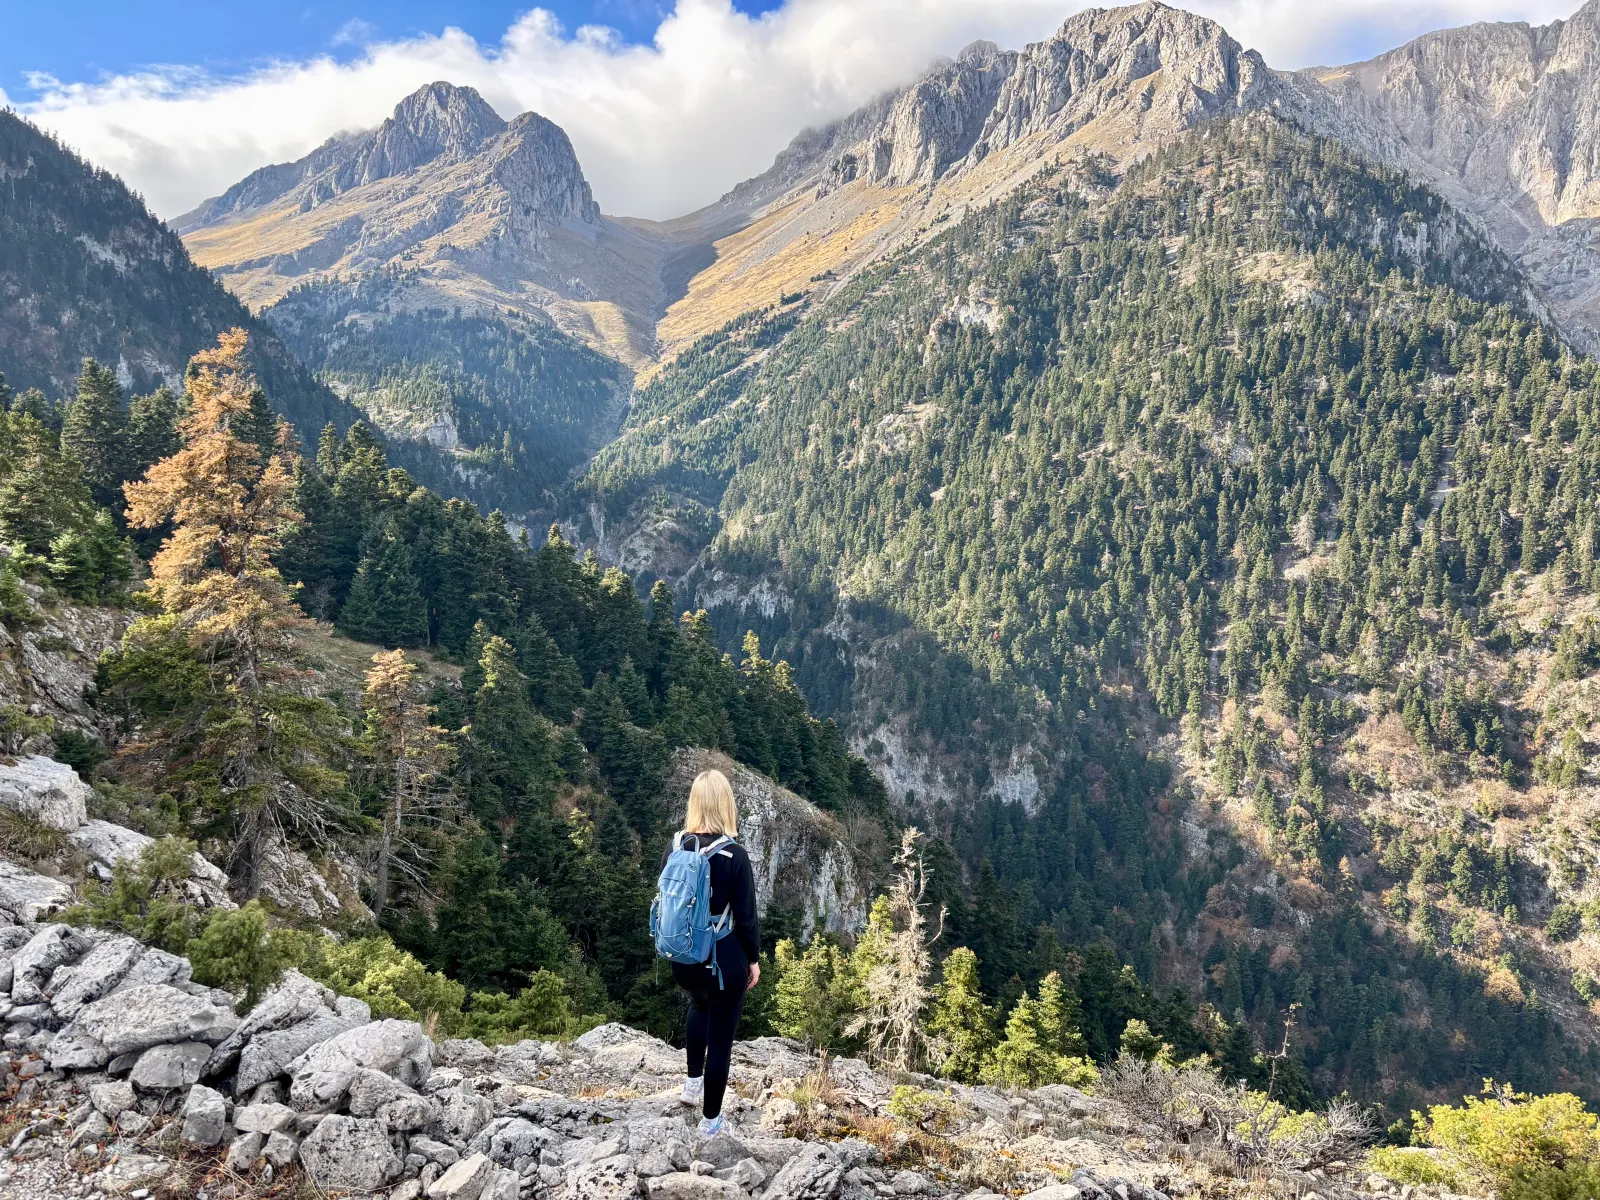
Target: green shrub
543, 1009
17, 728
931, 1111
393, 982
1564, 923
1408, 1164
1521, 1147
239, 950
1586, 986
141, 898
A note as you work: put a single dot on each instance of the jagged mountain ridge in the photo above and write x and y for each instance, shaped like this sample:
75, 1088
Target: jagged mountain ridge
1115, 82
1501, 118
467, 210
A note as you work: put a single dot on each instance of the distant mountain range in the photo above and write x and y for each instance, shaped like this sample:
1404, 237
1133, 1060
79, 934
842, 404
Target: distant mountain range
475, 211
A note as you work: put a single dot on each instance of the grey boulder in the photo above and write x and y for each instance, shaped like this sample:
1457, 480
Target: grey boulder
323, 1074
683, 1186
28, 896
37, 960
74, 1050
48, 791
370, 1090
156, 966
463, 1113
292, 1000
174, 1065
349, 1153
263, 1118
812, 1173
205, 1117
109, 1099
267, 1056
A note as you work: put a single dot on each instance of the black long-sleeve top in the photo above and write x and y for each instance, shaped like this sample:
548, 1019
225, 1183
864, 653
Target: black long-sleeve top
733, 883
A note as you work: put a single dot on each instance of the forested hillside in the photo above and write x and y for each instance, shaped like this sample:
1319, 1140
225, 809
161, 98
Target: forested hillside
512, 402
1235, 519
499, 815
86, 271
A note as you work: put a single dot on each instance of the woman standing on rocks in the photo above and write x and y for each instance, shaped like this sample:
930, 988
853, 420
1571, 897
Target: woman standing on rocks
716, 987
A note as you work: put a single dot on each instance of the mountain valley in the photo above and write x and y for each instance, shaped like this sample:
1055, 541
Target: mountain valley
1158, 487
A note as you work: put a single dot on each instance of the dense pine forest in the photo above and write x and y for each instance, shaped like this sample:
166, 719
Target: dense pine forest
1199, 492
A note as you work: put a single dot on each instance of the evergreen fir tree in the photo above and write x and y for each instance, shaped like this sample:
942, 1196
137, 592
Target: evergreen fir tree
385, 604
94, 433
960, 1020
815, 995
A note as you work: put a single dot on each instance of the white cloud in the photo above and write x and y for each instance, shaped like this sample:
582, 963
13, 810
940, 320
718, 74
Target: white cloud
354, 32
662, 128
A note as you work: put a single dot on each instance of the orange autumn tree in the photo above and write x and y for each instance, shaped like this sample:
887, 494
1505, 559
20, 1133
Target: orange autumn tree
251, 743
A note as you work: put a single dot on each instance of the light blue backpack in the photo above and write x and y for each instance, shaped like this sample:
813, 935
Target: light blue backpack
680, 918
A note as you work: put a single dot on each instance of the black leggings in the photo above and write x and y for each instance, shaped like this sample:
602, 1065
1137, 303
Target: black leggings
713, 1017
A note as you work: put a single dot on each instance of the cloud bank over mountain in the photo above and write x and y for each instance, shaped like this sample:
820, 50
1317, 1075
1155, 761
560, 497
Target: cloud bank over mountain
660, 128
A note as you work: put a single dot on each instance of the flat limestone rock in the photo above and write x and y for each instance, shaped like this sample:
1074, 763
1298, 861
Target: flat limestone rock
35, 963
95, 975
146, 1016
175, 1065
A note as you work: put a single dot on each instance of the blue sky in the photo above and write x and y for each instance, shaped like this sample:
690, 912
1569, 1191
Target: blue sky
82, 40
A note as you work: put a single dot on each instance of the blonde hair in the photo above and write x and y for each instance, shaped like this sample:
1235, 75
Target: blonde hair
712, 808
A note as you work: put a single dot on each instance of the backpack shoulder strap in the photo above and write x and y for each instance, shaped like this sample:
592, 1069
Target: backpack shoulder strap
719, 848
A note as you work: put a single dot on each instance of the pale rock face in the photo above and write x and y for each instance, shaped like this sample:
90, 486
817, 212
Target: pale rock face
96, 974
291, 882
1504, 120
28, 896
47, 790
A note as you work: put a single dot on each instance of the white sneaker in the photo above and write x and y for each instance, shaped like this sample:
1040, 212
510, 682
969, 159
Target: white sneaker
693, 1090
711, 1126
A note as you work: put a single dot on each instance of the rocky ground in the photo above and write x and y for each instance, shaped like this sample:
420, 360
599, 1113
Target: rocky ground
121, 1076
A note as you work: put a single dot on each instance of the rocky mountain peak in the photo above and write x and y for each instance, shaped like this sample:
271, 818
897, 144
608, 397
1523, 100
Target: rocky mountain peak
1136, 73
439, 119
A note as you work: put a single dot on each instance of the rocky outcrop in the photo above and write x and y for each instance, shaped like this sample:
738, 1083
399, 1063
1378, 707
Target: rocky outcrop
381, 1108
1504, 120
46, 665
1119, 80
801, 856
